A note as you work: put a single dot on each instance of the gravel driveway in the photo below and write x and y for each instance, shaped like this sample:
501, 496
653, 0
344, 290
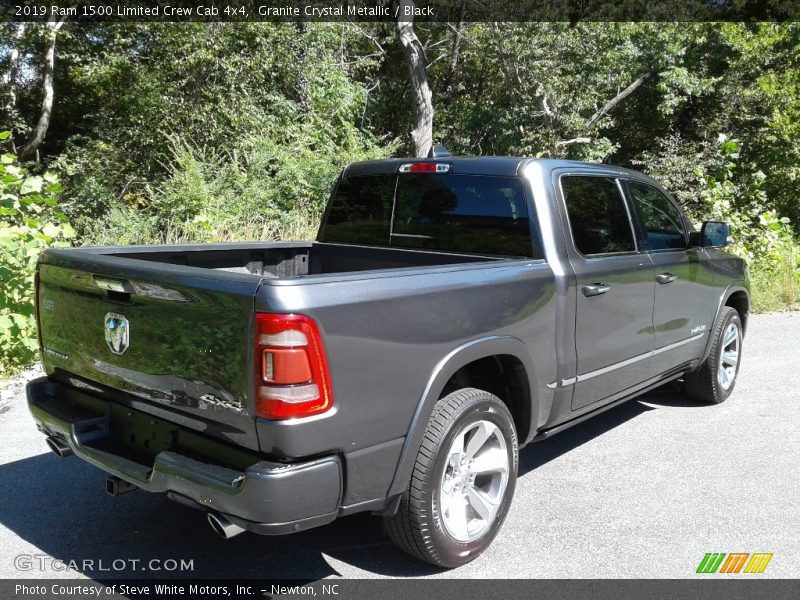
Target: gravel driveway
643, 490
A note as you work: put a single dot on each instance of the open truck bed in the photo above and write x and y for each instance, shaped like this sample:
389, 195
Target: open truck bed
289, 259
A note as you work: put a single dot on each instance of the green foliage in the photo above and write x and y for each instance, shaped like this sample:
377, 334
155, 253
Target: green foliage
30, 220
214, 131
273, 177
760, 234
208, 131
777, 287
713, 182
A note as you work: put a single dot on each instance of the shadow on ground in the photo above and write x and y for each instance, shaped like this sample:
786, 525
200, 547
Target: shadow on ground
59, 506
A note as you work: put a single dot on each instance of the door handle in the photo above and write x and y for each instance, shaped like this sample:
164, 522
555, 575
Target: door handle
664, 278
595, 289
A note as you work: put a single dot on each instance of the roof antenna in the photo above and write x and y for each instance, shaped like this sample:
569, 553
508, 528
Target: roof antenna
438, 151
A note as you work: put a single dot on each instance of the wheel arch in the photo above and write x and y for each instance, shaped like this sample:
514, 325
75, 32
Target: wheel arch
739, 299
735, 296
510, 356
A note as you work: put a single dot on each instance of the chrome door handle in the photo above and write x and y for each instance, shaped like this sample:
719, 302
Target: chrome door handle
595, 289
664, 278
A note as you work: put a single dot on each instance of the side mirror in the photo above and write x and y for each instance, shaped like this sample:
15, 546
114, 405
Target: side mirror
712, 234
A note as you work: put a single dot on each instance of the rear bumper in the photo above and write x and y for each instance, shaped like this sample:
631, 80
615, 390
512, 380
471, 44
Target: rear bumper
265, 497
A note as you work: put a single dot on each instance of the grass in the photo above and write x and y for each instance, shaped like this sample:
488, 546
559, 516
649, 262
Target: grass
123, 227
777, 288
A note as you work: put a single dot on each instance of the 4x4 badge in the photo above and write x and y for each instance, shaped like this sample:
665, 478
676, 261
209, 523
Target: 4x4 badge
117, 332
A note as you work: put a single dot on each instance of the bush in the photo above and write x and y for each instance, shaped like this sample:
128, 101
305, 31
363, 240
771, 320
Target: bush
712, 182
30, 220
736, 195
777, 287
272, 185
763, 238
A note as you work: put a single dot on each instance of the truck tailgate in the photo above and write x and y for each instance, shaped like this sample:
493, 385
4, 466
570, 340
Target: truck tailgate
176, 347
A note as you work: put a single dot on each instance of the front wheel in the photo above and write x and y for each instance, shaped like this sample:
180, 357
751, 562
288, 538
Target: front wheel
463, 481
714, 381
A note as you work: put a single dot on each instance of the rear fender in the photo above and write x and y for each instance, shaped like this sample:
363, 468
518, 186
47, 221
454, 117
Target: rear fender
447, 367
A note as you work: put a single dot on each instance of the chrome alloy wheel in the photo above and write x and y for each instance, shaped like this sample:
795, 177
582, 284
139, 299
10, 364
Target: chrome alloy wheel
474, 481
729, 357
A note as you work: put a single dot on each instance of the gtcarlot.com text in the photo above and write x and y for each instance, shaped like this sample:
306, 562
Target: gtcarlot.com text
45, 563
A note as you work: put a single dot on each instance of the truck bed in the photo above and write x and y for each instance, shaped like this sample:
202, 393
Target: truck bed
293, 259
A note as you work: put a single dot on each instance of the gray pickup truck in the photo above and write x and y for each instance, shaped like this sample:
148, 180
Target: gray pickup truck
451, 311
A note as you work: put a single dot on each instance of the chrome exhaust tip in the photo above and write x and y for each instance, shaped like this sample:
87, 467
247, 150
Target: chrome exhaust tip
59, 447
223, 527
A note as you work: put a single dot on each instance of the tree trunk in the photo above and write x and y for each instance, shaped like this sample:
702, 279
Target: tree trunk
301, 83
422, 134
30, 148
455, 50
13, 70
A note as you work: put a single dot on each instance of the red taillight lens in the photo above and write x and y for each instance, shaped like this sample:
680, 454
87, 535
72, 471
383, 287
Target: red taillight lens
285, 366
292, 379
424, 167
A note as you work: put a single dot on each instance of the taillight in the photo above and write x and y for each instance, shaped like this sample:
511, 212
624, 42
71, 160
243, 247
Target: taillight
292, 378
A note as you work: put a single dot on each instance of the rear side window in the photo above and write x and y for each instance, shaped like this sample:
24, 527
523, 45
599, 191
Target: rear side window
660, 218
597, 215
448, 212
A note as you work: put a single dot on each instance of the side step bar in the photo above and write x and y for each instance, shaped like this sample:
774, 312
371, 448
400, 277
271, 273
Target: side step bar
547, 433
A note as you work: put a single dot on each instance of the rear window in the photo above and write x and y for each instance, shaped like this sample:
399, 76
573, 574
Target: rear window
458, 213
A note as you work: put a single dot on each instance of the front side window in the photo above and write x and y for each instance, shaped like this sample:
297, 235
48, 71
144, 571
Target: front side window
660, 218
597, 215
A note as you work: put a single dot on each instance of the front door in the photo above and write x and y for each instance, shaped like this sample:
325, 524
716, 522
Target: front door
684, 291
615, 290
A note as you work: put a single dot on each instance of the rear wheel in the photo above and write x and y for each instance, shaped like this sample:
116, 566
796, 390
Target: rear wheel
463, 481
714, 381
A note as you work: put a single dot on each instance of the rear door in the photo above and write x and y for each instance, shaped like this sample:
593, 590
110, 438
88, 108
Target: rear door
684, 291
614, 325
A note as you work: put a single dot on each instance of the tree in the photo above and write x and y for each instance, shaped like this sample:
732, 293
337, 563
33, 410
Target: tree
40, 131
422, 134
12, 74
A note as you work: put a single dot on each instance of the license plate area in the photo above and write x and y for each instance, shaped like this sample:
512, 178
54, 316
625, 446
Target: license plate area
139, 436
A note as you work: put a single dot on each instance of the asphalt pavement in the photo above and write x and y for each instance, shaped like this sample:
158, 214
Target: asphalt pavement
643, 490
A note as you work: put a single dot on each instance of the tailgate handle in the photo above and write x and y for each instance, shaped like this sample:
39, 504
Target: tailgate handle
117, 290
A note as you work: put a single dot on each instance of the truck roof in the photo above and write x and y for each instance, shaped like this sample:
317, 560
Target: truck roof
483, 165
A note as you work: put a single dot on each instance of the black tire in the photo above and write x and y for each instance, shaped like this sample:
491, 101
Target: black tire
418, 527
704, 385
